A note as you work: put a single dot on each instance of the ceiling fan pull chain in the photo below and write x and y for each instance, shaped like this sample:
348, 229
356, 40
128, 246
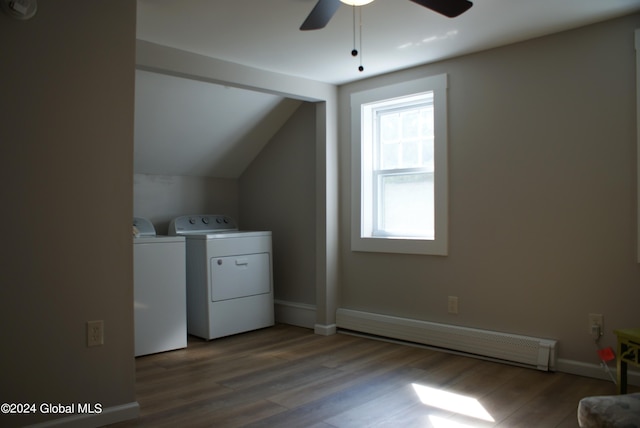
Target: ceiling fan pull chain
354, 51
360, 68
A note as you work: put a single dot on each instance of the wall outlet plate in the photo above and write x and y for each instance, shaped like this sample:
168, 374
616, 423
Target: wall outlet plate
452, 305
95, 333
596, 321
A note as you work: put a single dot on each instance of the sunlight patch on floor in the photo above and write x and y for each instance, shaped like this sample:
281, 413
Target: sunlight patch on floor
460, 404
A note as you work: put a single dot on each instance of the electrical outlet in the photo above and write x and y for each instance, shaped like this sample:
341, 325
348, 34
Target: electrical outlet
95, 333
453, 304
596, 324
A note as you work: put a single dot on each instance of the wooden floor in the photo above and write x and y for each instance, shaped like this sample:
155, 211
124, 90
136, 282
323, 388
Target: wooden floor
287, 376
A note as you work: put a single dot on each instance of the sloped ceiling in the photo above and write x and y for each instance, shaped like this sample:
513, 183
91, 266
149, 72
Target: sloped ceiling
193, 128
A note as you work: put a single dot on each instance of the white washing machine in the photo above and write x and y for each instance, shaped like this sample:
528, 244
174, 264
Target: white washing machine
229, 276
159, 290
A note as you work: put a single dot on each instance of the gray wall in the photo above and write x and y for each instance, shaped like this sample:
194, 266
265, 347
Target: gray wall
277, 194
542, 194
161, 198
66, 157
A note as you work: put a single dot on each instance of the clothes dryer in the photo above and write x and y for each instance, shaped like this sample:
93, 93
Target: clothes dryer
229, 276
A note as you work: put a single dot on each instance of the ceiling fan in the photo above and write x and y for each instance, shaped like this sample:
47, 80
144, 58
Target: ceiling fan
325, 9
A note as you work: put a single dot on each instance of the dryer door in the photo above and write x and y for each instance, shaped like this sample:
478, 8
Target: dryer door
244, 275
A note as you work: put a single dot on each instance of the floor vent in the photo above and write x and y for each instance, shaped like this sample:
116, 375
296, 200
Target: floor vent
510, 348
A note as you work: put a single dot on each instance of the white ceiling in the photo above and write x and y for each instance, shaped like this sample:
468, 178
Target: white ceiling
193, 128
396, 34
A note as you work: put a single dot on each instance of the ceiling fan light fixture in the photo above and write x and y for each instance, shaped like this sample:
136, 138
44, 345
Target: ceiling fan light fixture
356, 2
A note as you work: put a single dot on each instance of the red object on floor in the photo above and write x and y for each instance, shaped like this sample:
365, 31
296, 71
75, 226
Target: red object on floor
606, 354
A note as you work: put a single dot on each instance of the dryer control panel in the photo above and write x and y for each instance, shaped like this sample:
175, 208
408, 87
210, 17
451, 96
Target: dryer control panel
201, 224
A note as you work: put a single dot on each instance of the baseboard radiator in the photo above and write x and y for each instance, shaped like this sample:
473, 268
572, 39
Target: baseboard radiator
508, 348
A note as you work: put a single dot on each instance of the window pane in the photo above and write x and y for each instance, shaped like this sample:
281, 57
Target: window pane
389, 127
411, 154
390, 155
427, 155
406, 205
405, 137
389, 141
410, 124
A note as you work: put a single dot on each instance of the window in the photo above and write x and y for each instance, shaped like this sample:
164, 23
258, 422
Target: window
399, 171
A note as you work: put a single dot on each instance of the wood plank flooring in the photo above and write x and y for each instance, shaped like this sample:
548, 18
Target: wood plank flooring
286, 376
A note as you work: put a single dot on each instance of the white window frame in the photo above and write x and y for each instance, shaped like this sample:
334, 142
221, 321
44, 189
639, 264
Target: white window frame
362, 237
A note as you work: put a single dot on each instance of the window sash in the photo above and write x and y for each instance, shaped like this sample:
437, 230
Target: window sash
418, 104
402, 149
386, 217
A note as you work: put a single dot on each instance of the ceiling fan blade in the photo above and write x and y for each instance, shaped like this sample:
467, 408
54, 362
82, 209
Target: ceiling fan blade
450, 8
320, 15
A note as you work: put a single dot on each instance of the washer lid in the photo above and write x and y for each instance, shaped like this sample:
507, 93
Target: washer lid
201, 224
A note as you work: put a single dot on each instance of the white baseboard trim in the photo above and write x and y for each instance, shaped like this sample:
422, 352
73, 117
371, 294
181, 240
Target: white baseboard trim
595, 371
108, 415
325, 330
301, 315
298, 314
